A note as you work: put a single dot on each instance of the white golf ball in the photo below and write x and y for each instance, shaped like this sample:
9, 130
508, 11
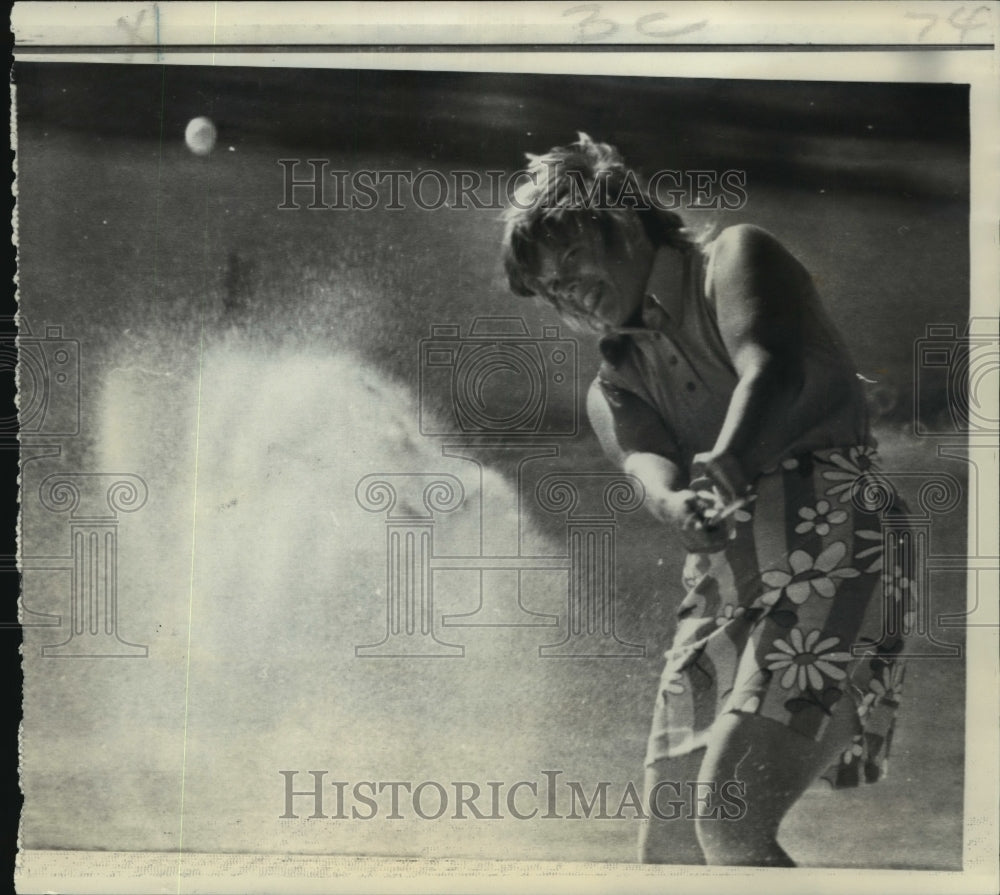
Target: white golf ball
200, 135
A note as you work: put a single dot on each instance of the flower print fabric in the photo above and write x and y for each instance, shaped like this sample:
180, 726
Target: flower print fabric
804, 662
792, 616
819, 518
807, 575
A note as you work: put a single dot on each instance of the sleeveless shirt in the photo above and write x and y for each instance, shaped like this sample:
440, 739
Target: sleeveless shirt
670, 358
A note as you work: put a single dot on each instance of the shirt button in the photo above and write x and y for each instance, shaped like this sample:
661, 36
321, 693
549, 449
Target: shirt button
690, 386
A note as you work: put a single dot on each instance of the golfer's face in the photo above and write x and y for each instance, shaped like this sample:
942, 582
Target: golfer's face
604, 285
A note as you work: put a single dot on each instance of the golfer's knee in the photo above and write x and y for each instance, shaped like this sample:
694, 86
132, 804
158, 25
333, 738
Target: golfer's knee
733, 828
722, 841
739, 842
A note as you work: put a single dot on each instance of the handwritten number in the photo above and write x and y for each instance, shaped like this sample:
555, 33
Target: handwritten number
924, 15
593, 20
969, 23
960, 19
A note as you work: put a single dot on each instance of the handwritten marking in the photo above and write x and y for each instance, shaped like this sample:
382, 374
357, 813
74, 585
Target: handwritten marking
593, 11
132, 30
595, 26
961, 20
642, 26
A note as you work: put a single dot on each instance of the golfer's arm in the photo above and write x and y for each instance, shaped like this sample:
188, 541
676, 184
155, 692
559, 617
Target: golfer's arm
661, 480
762, 296
762, 384
771, 406
635, 439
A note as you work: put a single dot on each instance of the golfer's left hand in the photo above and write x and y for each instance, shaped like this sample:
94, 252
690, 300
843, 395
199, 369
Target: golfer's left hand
721, 473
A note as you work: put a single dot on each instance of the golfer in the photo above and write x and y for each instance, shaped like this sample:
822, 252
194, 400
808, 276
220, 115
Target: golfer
726, 390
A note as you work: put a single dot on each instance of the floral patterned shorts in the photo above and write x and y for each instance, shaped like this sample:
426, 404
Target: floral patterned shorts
803, 608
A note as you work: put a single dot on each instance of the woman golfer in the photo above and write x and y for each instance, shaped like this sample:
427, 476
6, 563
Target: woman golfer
726, 390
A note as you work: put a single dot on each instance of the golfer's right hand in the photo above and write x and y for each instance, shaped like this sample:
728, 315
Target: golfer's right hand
685, 512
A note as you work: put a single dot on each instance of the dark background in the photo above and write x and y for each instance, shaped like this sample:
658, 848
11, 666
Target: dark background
868, 183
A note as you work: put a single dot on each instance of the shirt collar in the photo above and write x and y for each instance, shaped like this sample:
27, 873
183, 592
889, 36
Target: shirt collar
662, 305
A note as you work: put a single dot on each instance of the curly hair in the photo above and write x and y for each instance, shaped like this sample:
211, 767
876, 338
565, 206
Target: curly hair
575, 192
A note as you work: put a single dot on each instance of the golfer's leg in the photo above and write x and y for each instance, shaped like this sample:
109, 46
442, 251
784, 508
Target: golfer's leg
776, 765
670, 838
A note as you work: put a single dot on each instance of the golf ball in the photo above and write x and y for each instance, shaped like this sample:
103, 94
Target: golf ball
200, 135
